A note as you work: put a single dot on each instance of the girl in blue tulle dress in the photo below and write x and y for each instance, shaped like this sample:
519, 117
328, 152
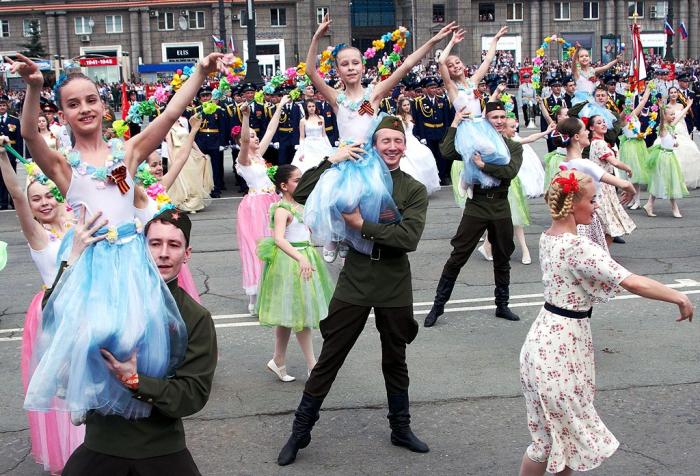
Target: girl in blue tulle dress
475, 133
365, 181
113, 297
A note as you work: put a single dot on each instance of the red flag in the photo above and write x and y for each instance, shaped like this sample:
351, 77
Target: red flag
125, 101
638, 70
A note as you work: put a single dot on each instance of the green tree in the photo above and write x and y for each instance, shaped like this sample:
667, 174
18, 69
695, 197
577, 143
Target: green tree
34, 48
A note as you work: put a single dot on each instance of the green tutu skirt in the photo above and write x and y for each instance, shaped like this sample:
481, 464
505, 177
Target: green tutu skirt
552, 161
633, 153
456, 176
665, 174
519, 211
285, 298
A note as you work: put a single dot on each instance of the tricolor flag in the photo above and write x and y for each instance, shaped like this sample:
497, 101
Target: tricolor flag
218, 42
231, 46
683, 31
668, 29
638, 69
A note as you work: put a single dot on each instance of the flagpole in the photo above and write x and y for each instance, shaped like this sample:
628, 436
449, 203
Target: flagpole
669, 37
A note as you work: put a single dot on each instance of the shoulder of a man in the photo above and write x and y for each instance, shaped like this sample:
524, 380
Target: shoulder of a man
191, 311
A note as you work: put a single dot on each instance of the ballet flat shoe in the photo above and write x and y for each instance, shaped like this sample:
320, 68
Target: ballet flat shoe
281, 372
482, 250
526, 260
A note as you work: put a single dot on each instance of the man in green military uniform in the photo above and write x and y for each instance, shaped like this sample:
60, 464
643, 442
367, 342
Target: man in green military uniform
488, 209
381, 281
154, 445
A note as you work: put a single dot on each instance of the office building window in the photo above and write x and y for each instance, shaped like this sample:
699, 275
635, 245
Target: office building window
166, 21
514, 11
590, 10
113, 24
82, 26
487, 12
27, 26
243, 19
562, 11
321, 13
196, 19
639, 6
4, 28
278, 17
439, 13
373, 13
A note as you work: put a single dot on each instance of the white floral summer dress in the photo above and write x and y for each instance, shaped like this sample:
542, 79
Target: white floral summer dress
557, 370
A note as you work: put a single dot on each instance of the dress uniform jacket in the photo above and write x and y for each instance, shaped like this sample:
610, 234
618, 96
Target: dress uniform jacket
288, 131
549, 103
383, 279
326, 111
388, 105
10, 127
212, 133
431, 117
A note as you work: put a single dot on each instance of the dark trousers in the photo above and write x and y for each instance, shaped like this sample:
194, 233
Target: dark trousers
340, 331
286, 152
467, 237
5, 200
85, 462
217, 167
443, 165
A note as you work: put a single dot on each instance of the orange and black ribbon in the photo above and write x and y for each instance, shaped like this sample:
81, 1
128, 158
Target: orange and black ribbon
366, 108
118, 177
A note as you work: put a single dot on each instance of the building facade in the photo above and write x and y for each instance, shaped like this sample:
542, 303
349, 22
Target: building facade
113, 40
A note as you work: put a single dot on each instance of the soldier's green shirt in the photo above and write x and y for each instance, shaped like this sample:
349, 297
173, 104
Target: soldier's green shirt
480, 206
385, 282
183, 394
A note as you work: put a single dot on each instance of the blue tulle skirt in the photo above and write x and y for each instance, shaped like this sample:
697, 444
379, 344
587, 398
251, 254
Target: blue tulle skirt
113, 298
594, 109
477, 135
365, 183
581, 96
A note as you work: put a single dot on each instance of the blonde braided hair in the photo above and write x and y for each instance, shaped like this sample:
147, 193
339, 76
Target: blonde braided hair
561, 201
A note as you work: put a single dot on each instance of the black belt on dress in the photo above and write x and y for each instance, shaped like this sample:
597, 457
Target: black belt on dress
490, 193
568, 312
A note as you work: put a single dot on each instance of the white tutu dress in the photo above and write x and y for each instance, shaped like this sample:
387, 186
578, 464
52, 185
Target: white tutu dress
314, 148
688, 156
531, 173
418, 162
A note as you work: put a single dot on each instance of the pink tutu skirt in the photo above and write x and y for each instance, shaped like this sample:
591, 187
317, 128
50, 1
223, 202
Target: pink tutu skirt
54, 437
186, 282
252, 225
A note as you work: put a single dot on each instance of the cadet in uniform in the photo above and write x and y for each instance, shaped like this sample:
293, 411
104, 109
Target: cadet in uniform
488, 209
9, 126
212, 138
556, 99
288, 130
381, 281
432, 119
692, 118
616, 103
526, 98
156, 444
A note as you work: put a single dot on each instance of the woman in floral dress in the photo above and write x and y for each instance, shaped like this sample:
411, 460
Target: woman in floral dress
557, 370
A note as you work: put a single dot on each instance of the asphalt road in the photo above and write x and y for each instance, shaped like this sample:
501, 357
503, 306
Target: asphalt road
465, 386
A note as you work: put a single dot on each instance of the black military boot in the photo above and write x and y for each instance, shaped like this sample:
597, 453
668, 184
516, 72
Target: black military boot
442, 295
304, 419
502, 295
400, 423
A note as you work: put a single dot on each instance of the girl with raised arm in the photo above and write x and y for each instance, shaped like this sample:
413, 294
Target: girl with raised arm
585, 75
633, 149
112, 299
253, 216
44, 220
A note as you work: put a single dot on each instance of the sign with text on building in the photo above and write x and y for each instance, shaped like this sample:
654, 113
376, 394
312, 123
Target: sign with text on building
93, 62
182, 53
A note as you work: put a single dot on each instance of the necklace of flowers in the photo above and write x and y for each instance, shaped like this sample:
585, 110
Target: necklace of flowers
154, 189
343, 100
55, 234
99, 174
634, 125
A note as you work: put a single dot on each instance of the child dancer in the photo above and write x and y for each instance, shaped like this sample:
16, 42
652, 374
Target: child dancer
474, 134
665, 174
585, 75
295, 287
253, 212
44, 221
553, 159
98, 308
633, 149
313, 142
355, 107
612, 214
557, 370
418, 160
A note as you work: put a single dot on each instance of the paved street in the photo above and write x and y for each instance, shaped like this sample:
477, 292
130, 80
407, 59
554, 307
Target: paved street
465, 387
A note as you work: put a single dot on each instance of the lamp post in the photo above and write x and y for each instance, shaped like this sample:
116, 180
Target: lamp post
669, 38
222, 25
252, 72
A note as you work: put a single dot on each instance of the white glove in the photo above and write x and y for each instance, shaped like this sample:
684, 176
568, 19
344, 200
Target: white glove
296, 147
222, 148
275, 145
423, 141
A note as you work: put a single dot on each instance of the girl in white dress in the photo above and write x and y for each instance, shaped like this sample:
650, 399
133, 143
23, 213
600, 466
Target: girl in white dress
585, 75
418, 161
686, 150
557, 369
355, 107
49, 137
313, 141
